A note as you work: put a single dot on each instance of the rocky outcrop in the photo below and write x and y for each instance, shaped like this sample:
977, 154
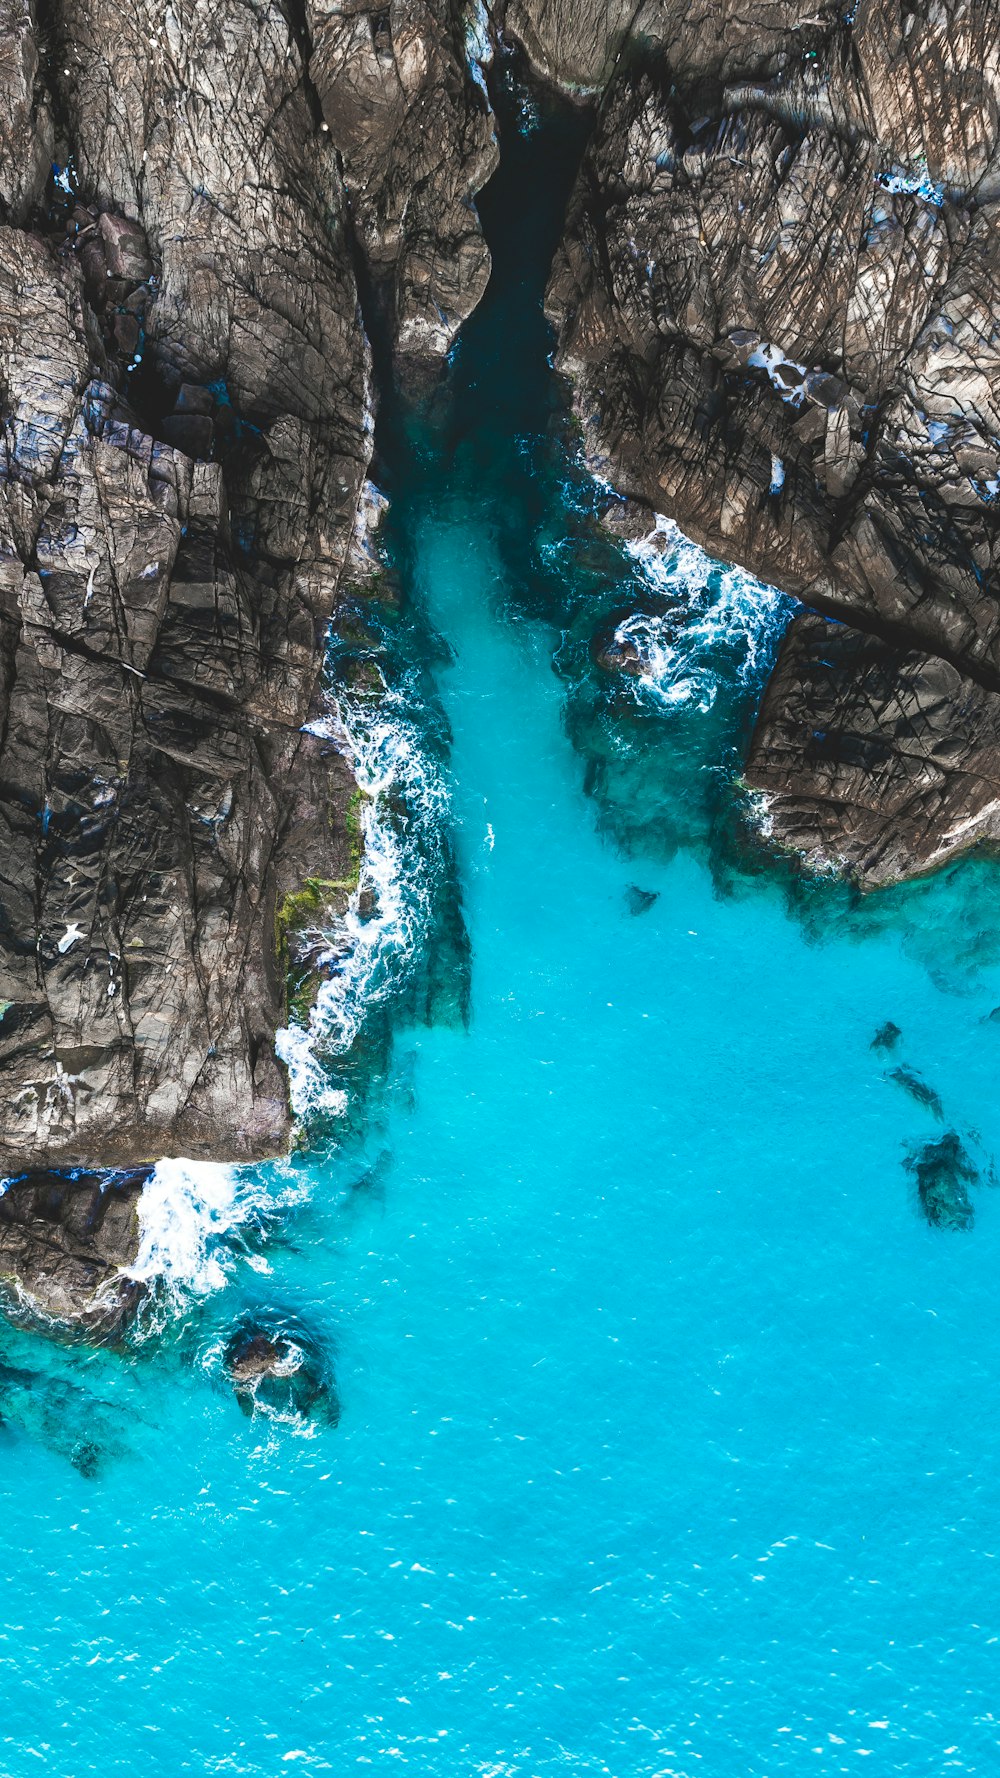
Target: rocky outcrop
404, 99
186, 424
776, 298
279, 1368
187, 417
66, 1244
883, 760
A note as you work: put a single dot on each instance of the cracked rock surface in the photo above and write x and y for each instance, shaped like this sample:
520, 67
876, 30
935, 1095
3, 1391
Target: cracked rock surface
777, 298
884, 759
65, 1246
403, 97
187, 425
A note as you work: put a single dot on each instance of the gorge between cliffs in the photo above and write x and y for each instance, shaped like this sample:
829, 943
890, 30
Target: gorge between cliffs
499, 778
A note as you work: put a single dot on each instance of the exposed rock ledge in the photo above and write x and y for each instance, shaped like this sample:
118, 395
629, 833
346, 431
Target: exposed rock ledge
884, 761
777, 299
186, 407
65, 1249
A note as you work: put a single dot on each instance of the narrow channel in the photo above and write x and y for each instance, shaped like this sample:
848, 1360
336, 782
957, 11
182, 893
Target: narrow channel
648, 1365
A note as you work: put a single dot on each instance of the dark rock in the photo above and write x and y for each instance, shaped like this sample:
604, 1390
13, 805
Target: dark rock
879, 760
784, 250
943, 1171
162, 618
70, 1420
188, 432
886, 1037
918, 1089
192, 294
278, 1368
192, 400
415, 132
639, 901
64, 1242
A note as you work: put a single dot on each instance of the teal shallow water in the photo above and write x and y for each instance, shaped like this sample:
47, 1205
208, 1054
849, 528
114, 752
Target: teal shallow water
670, 1439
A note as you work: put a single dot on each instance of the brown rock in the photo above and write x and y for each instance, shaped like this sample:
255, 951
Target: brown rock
882, 761
64, 1242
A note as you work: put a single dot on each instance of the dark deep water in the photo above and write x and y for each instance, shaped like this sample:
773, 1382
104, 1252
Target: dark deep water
668, 1438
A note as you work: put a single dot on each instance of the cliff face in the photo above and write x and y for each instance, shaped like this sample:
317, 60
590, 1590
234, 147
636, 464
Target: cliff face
187, 426
403, 96
777, 299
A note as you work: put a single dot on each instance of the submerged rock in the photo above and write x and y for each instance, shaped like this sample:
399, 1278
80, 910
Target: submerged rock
639, 901
918, 1089
66, 1242
886, 1037
943, 1171
67, 1419
279, 1368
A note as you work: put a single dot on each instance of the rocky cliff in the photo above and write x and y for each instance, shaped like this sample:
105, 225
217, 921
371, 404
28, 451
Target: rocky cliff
196, 204
777, 299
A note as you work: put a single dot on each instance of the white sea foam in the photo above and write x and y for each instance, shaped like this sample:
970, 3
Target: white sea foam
370, 948
721, 621
915, 184
786, 373
184, 1208
189, 1213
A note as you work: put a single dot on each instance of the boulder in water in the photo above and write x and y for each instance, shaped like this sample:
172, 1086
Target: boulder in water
280, 1369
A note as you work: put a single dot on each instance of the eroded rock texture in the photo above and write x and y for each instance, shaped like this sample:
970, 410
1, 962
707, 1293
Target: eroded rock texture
65, 1246
884, 759
187, 424
403, 96
778, 297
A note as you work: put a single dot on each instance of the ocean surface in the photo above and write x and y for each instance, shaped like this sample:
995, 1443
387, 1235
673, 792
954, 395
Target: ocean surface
669, 1430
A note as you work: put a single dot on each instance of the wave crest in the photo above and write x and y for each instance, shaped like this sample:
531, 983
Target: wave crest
722, 625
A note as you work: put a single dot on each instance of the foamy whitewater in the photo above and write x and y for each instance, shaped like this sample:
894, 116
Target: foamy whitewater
192, 1213
720, 621
660, 1430
368, 954
192, 1220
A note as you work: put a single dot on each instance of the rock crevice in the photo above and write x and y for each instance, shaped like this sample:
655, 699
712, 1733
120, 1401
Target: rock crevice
776, 298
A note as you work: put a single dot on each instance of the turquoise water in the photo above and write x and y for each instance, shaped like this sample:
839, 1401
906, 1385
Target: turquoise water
668, 1437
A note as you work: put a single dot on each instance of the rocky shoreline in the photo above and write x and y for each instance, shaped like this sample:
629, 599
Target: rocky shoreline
774, 300
204, 217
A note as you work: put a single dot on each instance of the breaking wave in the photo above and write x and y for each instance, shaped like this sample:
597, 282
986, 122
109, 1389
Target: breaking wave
722, 626
196, 1217
373, 946
191, 1215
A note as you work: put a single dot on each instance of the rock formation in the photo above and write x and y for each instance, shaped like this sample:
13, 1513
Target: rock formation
189, 201
278, 1367
887, 759
403, 96
776, 298
64, 1246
